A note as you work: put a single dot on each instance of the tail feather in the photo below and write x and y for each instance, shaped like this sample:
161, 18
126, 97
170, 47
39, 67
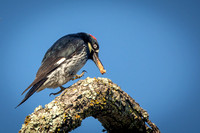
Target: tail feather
32, 90
27, 88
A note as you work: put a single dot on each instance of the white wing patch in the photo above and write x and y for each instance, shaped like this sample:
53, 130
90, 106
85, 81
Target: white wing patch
61, 61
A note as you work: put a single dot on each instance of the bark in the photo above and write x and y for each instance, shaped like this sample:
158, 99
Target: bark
100, 98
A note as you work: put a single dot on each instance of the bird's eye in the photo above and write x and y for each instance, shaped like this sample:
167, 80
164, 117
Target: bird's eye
95, 46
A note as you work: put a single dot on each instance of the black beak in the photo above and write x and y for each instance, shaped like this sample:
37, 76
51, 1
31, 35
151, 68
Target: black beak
97, 61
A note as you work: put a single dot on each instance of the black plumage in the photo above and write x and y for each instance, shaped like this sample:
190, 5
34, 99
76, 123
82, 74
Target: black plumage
63, 60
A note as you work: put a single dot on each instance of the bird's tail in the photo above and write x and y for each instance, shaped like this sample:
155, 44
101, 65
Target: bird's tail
32, 90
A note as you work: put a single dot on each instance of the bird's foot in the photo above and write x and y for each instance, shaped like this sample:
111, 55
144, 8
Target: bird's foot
79, 76
61, 89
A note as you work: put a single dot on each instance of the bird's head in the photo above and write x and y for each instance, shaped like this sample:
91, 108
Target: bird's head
93, 48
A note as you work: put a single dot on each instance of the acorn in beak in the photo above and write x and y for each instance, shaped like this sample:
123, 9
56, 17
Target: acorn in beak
97, 61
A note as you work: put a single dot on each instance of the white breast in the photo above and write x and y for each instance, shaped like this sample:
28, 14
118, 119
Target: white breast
66, 71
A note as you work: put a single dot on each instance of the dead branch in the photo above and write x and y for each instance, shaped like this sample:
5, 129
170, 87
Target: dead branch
100, 98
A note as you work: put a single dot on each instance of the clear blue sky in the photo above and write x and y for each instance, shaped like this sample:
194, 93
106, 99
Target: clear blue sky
149, 48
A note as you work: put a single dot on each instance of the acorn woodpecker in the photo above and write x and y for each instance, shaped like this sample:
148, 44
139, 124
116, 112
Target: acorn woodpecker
63, 60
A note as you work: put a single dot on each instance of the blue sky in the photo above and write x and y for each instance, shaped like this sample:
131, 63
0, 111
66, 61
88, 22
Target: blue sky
149, 48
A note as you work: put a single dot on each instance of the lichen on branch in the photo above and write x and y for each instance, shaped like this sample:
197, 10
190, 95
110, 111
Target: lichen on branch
97, 97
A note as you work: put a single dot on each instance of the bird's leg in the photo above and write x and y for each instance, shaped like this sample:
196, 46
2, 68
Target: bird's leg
79, 76
61, 89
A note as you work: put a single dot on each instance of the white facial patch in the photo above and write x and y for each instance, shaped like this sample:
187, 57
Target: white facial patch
60, 61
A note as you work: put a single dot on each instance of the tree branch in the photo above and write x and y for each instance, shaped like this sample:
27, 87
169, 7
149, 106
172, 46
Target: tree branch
100, 98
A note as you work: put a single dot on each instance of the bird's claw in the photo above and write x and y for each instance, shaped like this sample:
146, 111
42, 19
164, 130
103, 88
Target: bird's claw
51, 94
79, 76
61, 89
84, 71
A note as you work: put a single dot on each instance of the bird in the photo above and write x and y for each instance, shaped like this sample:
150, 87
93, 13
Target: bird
63, 60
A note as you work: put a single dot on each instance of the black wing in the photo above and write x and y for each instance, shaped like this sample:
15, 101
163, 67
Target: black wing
51, 61
57, 52
64, 47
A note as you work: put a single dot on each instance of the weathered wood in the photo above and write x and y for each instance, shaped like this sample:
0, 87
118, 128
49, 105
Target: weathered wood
100, 98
